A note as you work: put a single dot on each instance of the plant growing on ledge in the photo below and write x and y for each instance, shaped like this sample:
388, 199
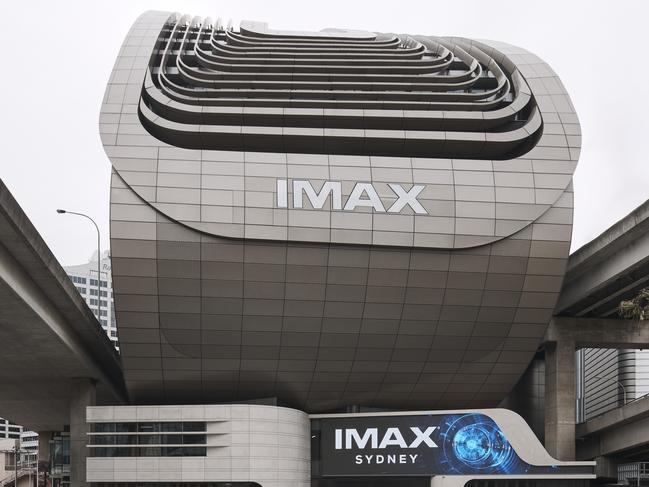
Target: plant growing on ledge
636, 308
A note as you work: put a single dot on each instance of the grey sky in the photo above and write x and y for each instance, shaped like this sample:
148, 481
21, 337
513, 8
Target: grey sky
58, 56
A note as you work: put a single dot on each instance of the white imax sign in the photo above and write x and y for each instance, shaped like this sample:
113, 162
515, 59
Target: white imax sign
350, 438
391, 437
363, 195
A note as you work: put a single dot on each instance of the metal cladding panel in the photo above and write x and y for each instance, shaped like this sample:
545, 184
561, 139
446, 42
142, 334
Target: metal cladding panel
333, 218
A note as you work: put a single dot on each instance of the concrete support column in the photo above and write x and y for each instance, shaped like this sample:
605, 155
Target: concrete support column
44, 467
84, 395
44, 438
606, 468
560, 399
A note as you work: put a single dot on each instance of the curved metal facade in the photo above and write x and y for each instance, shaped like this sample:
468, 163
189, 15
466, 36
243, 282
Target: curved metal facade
334, 218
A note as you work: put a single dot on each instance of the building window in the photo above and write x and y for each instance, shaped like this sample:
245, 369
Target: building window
154, 451
78, 280
93, 302
173, 439
175, 427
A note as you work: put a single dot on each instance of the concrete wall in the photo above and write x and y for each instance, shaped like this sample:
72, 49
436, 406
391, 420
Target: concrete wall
527, 398
264, 444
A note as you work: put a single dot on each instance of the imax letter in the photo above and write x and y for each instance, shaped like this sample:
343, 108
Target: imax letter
317, 199
372, 200
282, 193
352, 436
407, 198
393, 437
423, 437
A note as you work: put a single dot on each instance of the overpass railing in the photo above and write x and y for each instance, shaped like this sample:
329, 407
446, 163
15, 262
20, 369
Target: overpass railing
630, 401
633, 473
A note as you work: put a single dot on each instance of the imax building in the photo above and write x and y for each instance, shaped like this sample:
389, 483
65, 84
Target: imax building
334, 254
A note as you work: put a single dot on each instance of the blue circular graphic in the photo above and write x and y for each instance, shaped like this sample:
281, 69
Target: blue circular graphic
471, 444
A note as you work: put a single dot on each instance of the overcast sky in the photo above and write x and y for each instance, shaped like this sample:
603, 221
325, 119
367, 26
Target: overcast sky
58, 55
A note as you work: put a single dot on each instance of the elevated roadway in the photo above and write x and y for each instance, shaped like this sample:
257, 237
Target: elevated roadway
51, 344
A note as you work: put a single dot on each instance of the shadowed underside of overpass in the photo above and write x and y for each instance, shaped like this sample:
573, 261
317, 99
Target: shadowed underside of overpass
612, 267
49, 338
622, 432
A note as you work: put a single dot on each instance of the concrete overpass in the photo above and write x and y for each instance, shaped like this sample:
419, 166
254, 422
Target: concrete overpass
617, 436
624, 430
564, 336
609, 269
612, 267
55, 359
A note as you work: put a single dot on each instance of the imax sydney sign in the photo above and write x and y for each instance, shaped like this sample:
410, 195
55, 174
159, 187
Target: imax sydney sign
363, 195
419, 445
375, 439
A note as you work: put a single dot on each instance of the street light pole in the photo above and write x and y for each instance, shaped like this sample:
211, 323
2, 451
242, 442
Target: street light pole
60, 212
618, 383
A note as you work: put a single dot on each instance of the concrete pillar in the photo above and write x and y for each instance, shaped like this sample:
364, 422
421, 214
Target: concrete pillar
44, 466
606, 468
44, 438
84, 395
560, 399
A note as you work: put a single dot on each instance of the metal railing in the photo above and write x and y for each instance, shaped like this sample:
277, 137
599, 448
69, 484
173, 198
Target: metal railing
633, 473
631, 401
10, 479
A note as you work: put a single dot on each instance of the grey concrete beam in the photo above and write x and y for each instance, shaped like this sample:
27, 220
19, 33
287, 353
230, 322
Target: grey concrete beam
602, 270
563, 337
598, 332
614, 440
617, 430
631, 412
615, 238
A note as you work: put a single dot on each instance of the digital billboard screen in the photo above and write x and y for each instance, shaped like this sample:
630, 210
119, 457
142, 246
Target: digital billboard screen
418, 445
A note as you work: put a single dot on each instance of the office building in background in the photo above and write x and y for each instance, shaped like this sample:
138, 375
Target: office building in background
84, 277
28, 439
608, 378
